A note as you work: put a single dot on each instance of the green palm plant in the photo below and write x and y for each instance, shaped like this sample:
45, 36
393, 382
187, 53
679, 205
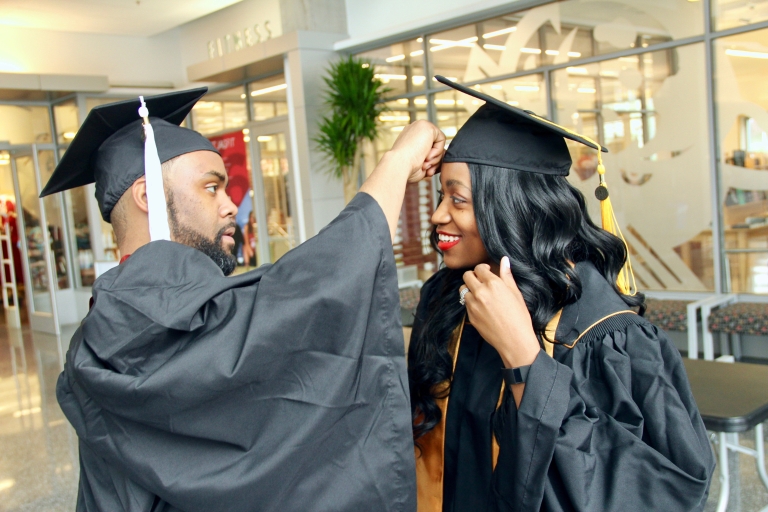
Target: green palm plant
353, 97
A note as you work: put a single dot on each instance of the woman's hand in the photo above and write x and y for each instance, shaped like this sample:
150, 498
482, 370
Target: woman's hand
497, 310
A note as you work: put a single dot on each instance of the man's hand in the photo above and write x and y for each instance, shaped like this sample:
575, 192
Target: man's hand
415, 155
421, 145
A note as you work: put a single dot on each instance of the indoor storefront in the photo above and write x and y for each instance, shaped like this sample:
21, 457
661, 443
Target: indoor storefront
636, 77
673, 88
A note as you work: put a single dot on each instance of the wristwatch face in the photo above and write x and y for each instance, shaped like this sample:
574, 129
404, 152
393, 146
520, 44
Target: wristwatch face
515, 375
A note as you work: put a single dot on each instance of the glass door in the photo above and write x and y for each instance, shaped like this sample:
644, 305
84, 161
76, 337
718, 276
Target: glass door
45, 267
10, 257
274, 189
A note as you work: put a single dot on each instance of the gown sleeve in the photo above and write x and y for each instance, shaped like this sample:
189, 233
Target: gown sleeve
284, 388
608, 425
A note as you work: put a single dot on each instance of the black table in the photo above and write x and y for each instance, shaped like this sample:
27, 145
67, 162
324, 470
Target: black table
732, 397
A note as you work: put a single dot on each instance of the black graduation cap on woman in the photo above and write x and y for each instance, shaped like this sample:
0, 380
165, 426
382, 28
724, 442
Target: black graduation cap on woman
119, 142
501, 135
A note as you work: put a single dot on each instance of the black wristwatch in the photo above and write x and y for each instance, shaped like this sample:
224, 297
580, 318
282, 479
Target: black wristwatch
515, 375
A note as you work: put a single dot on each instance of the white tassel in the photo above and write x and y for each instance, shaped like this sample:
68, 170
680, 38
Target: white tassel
158, 209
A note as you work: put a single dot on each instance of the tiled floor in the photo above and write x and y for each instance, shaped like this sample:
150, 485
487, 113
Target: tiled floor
38, 448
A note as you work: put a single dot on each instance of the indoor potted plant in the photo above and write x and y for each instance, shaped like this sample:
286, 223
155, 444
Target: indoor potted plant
353, 97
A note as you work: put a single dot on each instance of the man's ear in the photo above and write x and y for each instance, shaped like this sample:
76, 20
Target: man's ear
139, 194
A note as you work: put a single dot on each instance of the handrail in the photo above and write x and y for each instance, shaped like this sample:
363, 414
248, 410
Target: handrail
737, 251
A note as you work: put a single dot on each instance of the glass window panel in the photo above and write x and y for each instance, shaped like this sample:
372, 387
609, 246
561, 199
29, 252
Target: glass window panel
650, 113
454, 108
400, 66
558, 33
77, 199
736, 13
33, 232
275, 171
494, 47
248, 254
742, 108
411, 244
8, 218
399, 113
453, 51
55, 221
66, 120
577, 39
617, 25
268, 98
24, 124
220, 111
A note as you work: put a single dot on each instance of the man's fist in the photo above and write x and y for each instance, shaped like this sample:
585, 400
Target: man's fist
422, 145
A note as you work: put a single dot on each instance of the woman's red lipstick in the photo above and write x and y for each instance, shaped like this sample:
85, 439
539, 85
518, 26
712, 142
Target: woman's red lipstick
447, 240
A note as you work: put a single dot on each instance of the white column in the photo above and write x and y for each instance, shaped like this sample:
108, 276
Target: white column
322, 196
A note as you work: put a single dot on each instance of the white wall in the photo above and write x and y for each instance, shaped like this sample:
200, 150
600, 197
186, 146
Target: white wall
123, 59
162, 59
159, 60
374, 19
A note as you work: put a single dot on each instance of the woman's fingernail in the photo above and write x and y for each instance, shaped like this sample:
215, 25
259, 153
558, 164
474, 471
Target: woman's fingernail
505, 262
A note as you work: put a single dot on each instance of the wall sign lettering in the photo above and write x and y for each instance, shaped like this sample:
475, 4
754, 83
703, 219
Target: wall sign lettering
240, 39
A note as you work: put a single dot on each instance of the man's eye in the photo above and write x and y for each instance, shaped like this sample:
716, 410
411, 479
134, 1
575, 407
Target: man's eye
212, 188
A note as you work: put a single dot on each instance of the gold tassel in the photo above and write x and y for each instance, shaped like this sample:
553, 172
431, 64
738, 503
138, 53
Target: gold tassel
626, 278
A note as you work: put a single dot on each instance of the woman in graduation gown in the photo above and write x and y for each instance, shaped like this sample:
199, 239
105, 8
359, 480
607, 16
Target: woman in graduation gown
535, 384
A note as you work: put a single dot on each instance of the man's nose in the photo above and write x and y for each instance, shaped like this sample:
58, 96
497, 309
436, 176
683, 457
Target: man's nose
229, 208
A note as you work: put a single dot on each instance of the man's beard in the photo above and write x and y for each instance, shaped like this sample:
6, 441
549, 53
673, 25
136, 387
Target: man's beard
223, 258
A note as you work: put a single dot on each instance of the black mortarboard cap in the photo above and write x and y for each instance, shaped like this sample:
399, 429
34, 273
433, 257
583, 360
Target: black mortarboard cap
109, 147
501, 135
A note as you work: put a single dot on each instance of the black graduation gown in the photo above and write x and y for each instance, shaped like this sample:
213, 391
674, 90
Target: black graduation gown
607, 423
283, 389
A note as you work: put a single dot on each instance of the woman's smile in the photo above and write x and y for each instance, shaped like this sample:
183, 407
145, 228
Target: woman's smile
454, 219
447, 240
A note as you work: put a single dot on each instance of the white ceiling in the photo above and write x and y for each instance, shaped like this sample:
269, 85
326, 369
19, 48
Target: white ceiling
124, 17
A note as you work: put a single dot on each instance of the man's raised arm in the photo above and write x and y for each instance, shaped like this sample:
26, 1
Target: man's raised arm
415, 155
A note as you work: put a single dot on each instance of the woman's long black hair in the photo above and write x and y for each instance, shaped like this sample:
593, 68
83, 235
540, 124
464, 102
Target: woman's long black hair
541, 222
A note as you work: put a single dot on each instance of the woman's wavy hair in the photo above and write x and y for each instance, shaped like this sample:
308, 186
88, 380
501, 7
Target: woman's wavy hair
541, 222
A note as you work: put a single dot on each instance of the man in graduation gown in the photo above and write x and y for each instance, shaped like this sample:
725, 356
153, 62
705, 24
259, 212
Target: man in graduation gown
280, 389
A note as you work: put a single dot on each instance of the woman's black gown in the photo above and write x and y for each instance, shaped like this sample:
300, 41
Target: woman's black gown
607, 423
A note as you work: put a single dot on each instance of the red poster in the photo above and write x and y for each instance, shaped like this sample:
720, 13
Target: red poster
232, 149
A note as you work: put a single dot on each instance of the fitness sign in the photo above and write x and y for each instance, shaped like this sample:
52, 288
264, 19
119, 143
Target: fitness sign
249, 36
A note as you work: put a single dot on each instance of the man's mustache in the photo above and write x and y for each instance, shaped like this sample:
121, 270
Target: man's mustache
220, 234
